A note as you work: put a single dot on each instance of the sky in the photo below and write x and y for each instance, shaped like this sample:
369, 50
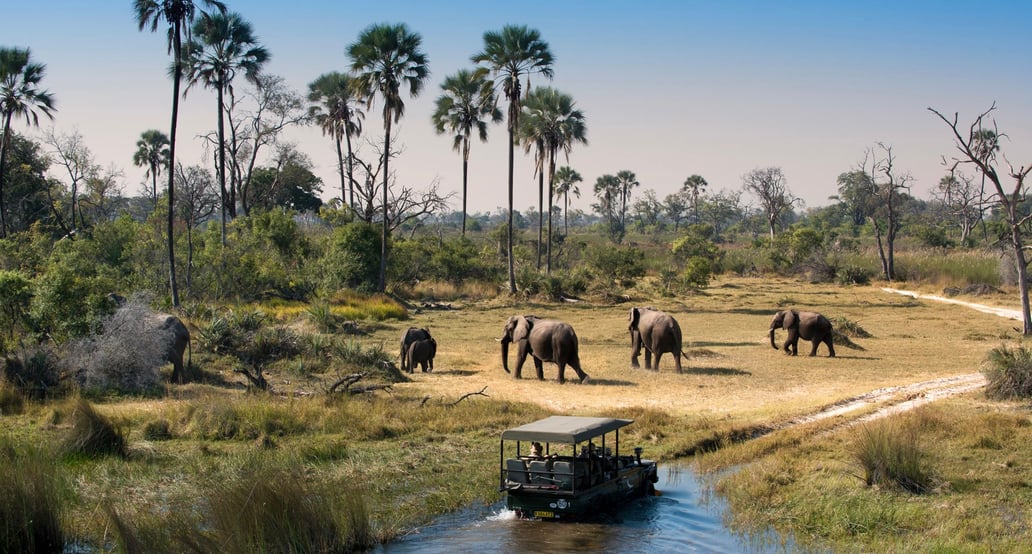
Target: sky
668, 88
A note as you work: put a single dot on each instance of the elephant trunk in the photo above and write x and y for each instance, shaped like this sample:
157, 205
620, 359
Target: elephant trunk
505, 354
774, 346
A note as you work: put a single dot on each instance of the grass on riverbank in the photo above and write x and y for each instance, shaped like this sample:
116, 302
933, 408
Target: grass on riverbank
413, 452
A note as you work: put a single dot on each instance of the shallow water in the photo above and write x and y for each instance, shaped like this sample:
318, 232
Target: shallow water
684, 518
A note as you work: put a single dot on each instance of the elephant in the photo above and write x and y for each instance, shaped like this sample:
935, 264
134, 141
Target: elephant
421, 352
176, 335
658, 332
178, 341
810, 326
408, 336
547, 340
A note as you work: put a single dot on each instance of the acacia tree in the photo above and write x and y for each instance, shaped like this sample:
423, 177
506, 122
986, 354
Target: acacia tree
566, 179
386, 57
335, 100
152, 154
769, 187
888, 192
978, 145
178, 14
962, 200
510, 54
197, 201
468, 98
20, 96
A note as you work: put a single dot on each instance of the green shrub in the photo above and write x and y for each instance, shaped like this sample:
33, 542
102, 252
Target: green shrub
15, 299
854, 275
352, 259
621, 264
33, 373
1008, 372
890, 457
697, 272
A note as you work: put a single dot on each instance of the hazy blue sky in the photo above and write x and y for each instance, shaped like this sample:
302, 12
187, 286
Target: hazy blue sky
668, 88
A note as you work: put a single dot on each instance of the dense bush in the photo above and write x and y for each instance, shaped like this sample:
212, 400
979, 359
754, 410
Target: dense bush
890, 457
352, 259
1008, 372
621, 264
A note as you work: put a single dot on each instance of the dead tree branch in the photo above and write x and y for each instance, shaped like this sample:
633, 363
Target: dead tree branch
469, 394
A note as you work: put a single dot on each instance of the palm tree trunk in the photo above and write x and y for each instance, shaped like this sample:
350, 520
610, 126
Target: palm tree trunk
512, 266
340, 169
566, 213
541, 215
154, 183
3, 171
386, 172
465, 177
176, 78
351, 177
551, 188
222, 163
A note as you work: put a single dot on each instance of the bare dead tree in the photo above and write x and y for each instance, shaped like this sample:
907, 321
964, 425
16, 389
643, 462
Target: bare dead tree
963, 201
978, 145
769, 187
889, 188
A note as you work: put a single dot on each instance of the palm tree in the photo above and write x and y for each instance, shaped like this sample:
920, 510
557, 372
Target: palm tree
20, 95
468, 98
694, 186
566, 179
152, 153
513, 52
385, 57
178, 14
627, 181
550, 119
335, 109
225, 45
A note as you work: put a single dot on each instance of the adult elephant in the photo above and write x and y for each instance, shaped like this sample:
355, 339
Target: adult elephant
175, 337
409, 336
546, 340
810, 326
421, 353
658, 332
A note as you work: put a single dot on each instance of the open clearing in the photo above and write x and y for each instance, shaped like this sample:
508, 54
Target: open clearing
921, 350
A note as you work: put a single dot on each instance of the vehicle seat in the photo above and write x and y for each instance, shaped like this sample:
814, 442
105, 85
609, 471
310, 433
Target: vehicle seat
516, 471
539, 473
563, 475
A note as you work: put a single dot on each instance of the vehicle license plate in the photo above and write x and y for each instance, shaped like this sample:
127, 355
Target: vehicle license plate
539, 513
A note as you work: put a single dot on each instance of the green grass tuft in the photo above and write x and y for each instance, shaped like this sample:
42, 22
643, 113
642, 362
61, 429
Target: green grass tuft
890, 457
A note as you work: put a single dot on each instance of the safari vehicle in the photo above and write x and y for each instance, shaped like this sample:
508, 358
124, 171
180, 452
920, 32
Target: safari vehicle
580, 471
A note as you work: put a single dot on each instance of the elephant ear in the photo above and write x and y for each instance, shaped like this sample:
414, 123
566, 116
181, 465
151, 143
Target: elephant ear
791, 319
523, 327
633, 317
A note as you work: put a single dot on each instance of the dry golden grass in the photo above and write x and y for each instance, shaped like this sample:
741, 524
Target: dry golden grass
733, 372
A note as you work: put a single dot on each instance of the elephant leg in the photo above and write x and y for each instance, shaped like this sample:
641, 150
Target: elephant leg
659, 354
521, 356
539, 367
562, 372
816, 342
648, 359
575, 364
677, 360
635, 349
831, 347
792, 343
423, 365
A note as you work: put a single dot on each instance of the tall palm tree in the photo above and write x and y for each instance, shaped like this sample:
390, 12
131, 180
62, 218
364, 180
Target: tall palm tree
468, 98
694, 186
335, 109
551, 120
178, 14
627, 181
20, 96
511, 53
533, 137
385, 57
152, 153
224, 45
566, 179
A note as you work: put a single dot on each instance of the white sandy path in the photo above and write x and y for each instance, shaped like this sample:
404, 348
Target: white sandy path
905, 397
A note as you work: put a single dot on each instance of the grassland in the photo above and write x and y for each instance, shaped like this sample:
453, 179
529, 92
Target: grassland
401, 449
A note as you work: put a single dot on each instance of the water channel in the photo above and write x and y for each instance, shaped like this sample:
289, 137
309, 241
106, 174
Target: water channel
685, 517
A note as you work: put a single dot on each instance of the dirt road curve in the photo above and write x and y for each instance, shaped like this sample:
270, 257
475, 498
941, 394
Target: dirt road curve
905, 397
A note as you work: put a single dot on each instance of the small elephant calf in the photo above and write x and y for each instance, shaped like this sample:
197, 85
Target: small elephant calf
810, 326
421, 353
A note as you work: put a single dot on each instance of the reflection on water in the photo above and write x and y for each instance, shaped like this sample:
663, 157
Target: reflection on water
684, 518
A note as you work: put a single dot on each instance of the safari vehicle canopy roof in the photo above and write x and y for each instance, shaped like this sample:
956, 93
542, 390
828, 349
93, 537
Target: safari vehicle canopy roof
569, 429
